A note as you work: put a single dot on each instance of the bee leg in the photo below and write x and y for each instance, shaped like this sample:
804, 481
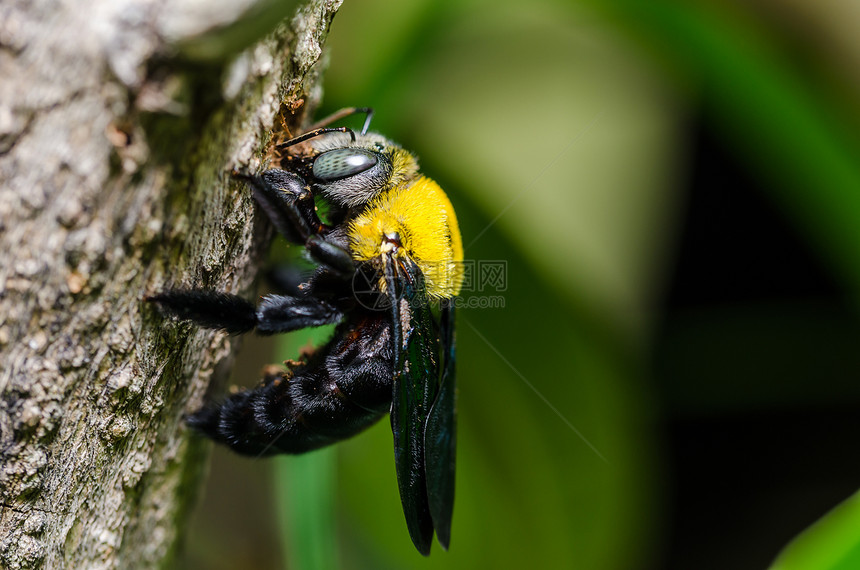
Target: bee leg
282, 313
209, 309
276, 313
333, 256
288, 203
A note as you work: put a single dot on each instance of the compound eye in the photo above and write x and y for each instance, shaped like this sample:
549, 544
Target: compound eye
342, 163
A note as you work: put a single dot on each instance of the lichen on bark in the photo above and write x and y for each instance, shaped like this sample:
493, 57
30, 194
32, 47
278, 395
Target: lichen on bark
117, 140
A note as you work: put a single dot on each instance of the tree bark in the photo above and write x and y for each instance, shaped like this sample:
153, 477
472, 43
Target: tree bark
120, 123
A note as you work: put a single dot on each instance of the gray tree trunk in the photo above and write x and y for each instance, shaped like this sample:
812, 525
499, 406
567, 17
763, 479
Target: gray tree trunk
120, 123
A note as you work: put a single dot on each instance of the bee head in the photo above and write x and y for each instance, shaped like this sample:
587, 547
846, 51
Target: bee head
351, 172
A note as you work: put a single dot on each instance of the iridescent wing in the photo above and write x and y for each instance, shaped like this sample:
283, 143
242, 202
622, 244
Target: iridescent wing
422, 409
440, 443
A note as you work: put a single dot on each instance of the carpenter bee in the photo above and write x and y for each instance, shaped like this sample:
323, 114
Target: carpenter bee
389, 247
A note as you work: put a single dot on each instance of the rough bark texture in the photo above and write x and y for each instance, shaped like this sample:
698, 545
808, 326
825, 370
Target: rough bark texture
119, 127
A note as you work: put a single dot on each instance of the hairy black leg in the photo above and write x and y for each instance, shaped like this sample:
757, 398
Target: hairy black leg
282, 313
209, 309
276, 313
344, 389
287, 202
335, 257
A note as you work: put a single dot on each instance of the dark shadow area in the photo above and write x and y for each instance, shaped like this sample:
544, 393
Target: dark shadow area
756, 364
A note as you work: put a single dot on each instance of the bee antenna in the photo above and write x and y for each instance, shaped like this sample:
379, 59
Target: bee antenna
316, 133
368, 111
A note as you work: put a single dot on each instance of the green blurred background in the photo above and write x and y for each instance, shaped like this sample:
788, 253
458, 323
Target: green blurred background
672, 379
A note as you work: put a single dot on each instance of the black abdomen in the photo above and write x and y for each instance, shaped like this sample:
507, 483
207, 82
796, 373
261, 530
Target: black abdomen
344, 388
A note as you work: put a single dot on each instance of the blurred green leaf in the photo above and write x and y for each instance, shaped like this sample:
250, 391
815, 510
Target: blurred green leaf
305, 494
790, 131
304, 487
832, 543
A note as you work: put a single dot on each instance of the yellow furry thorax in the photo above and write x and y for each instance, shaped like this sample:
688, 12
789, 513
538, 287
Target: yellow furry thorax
421, 215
